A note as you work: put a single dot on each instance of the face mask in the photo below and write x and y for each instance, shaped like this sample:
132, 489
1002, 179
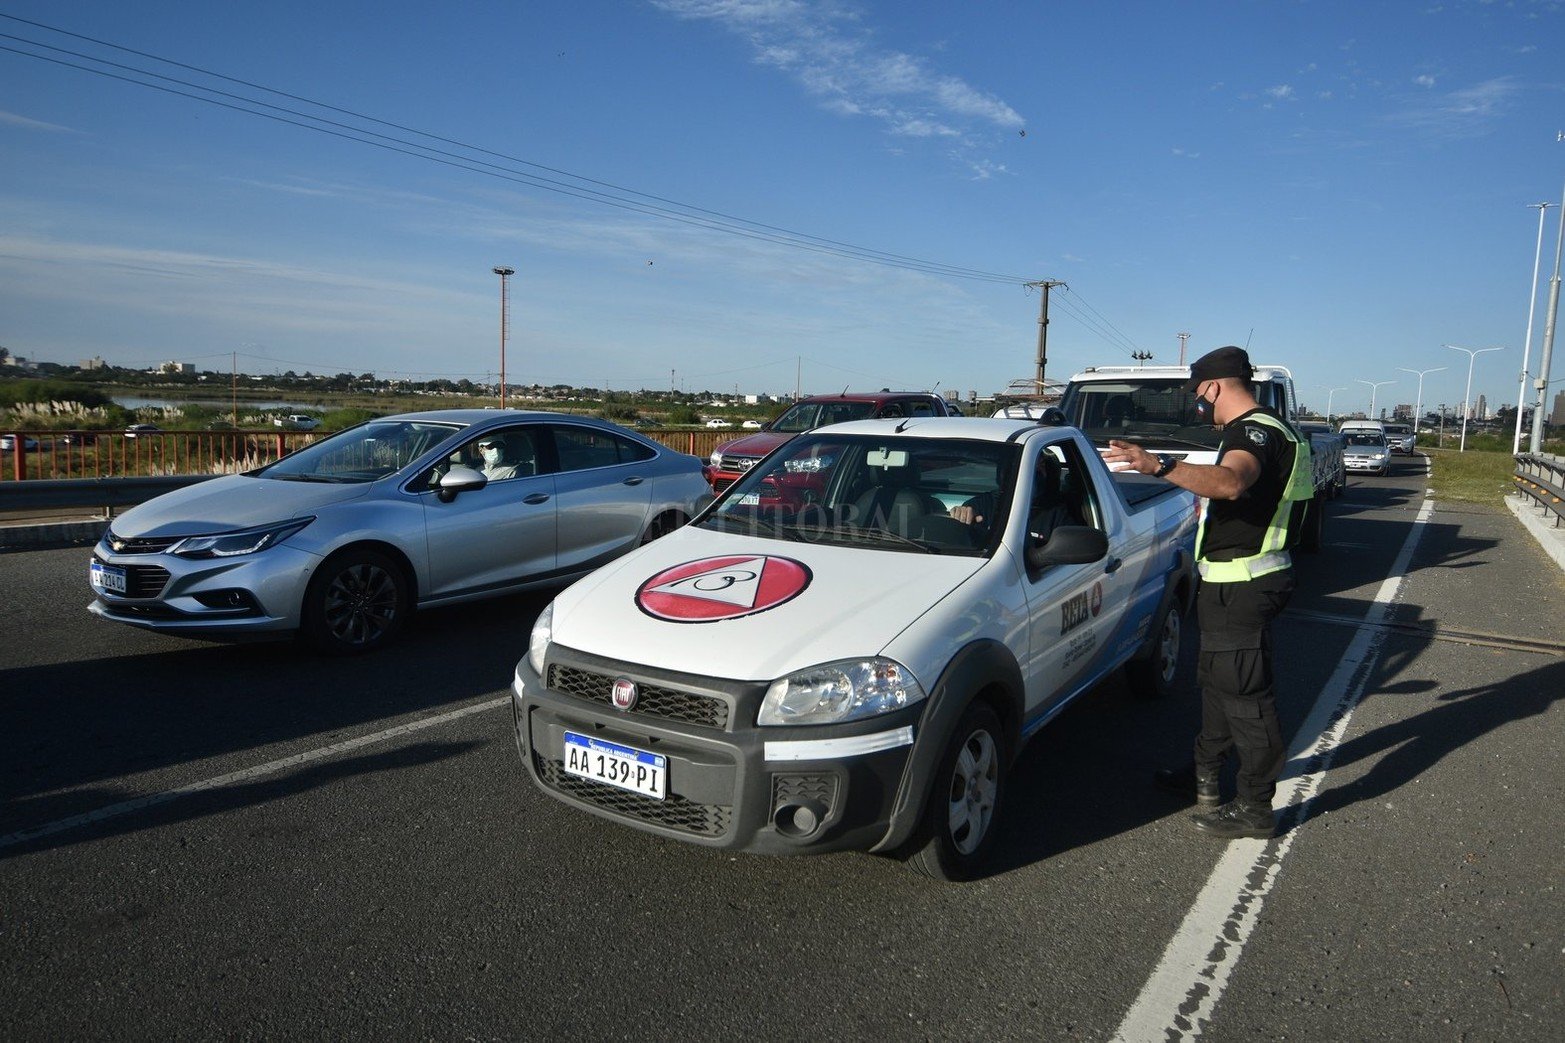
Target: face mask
1203, 410
491, 455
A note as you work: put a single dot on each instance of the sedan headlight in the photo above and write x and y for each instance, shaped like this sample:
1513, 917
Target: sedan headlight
538, 642
234, 544
832, 693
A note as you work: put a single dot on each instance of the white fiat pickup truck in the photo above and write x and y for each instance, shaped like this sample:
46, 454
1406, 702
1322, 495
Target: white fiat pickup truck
849, 647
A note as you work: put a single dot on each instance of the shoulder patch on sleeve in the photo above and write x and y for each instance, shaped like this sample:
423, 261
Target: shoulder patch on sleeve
1256, 434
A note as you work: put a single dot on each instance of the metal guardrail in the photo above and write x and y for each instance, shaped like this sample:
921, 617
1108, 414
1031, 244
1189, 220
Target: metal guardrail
56, 493
1543, 479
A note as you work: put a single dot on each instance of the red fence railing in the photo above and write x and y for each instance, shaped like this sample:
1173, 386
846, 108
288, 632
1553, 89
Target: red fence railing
28, 455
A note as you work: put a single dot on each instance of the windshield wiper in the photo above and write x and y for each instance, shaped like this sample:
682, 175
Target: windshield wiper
881, 536
753, 526
307, 478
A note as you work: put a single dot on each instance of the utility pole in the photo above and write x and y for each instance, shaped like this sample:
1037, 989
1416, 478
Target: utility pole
1182, 338
235, 388
1142, 357
1542, 383
504, 274
1043, 325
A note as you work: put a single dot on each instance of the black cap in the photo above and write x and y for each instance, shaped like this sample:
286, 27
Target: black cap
1231, 361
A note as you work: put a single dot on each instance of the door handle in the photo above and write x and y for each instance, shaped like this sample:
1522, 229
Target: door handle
535, 497
633, 480
1113, 565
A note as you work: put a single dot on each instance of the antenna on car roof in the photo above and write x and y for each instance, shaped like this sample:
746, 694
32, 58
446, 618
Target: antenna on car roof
844, 391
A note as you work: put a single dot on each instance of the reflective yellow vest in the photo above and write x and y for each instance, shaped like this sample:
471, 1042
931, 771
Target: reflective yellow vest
1272, 555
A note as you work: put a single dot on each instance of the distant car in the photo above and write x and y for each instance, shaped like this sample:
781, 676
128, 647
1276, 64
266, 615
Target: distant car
1366, 451
343, 539
298, 422
79, 438
730, 460
718, 421
9, 442
135, 430
1401, 438
752, 425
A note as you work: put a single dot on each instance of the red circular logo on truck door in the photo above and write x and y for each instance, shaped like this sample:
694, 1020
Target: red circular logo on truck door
722, 588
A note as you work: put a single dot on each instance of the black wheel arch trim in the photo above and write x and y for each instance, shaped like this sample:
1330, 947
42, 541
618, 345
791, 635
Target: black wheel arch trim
1181, 577
983, 666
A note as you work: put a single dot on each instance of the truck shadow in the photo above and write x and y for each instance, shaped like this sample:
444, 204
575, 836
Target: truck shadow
71, 728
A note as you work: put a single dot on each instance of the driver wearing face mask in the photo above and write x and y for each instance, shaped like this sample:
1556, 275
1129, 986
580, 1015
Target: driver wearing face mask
496, 466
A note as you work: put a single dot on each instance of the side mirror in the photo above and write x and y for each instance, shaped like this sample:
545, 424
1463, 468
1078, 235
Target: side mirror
1068, 545
1054, 416
459, 480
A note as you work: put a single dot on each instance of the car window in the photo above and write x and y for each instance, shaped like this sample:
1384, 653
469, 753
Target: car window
362, 454
580, 448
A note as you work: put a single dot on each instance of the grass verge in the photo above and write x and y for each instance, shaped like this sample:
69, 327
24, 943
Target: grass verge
1471, 477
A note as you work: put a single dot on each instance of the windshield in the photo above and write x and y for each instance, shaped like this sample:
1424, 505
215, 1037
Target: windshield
890, 494
1366, 438
807, 416
1154, 411
361, 454
1398, 429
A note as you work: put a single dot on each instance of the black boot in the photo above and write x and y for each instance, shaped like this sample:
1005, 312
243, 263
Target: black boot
1188, 783
1237, 819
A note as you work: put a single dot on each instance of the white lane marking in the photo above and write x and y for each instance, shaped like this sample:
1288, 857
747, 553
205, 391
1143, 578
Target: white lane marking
1178, 999
269, 768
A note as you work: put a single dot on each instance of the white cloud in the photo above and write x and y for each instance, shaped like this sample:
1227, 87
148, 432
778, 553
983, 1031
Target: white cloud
11, 119
1424, 81
1282, 92
1460, 112
824, 49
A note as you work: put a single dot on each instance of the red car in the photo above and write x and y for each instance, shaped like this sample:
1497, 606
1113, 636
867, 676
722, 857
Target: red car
732, 459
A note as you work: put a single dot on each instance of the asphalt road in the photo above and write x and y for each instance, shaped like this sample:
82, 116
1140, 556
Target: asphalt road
415, 885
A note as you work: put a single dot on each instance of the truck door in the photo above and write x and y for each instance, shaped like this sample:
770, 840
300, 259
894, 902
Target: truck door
1074, 610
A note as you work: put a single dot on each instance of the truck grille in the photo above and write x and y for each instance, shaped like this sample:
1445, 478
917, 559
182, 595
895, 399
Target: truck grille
670, 704
674, 812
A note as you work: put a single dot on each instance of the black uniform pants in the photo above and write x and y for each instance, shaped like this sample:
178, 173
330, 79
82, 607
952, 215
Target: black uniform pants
1238, 703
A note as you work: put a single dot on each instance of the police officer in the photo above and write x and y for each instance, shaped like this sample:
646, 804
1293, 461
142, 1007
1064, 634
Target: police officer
1258, 490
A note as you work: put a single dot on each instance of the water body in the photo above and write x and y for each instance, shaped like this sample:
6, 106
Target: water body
245, 404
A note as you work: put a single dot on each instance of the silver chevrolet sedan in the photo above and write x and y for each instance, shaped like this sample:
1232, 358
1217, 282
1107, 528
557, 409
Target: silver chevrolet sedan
341, 540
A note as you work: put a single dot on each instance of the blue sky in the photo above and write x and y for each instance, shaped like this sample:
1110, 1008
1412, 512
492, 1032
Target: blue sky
1344, 186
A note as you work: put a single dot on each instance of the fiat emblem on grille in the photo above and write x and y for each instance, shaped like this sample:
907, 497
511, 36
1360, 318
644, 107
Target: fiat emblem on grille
624, 693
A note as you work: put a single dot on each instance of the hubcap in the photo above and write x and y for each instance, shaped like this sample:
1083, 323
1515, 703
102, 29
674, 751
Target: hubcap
361, 604
974, 786
1168, 650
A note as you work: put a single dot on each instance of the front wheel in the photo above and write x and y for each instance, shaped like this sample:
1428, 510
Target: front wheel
1154, 676
964, 802
356, 602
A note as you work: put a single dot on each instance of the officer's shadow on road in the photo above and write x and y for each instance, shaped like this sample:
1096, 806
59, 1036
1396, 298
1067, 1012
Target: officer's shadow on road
1407, 748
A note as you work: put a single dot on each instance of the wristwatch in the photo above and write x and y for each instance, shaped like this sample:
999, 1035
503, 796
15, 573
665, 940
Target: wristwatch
1165, 464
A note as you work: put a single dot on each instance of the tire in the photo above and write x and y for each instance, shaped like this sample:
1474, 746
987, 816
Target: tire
1314, 525
661, 526
963, 807
1155, 676
356, 602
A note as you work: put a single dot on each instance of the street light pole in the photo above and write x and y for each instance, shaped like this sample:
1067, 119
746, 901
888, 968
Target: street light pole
1329, 393
1472, 356
504, 274
1542, 381
1532, 303
1374, 389
1418, 408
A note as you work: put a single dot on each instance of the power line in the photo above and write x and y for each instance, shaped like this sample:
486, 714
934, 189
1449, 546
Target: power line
610, 194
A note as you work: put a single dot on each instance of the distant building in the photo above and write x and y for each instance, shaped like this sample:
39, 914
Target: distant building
1402, 411
1483, 409
1557, 415
177, 367
93, 363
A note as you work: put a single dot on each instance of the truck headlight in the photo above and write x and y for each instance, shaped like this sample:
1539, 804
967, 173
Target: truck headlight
832, 693
538, 641
243, 541
716, 459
